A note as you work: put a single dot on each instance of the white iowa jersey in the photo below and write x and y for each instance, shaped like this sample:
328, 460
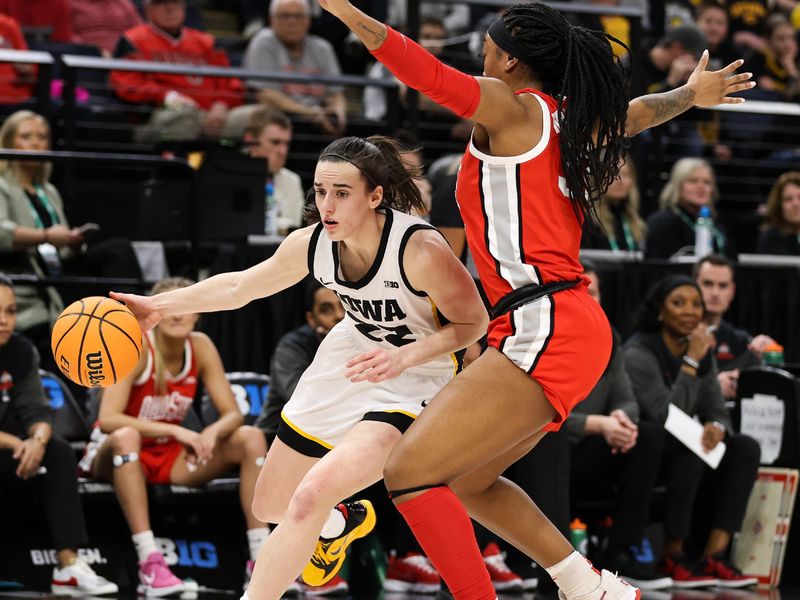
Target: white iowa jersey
382, 309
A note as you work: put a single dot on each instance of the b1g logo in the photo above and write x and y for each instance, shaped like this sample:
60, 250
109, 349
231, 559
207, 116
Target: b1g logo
93, 556
184, 553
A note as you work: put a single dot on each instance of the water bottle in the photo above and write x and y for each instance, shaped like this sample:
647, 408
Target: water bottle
578, 536
773, 355
702, 233
270, 210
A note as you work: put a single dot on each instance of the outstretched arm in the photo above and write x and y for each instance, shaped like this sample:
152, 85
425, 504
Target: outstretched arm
485, 100
704, 88
227, 291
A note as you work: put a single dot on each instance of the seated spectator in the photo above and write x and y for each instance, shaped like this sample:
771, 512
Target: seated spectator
268, 135
774, 66
621, 226
16, 79
287, 47
668, 65
296, 350
52, 15
734, 348
670, 362
30, 452
781, 234
455, 17
102, 22
670, 230
713, 21
139, 440
610, 447
747, 22
36, 238
187, 106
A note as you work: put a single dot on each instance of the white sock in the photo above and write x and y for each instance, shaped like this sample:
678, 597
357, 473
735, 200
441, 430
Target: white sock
145, 543
334, 526
575, 576
256, 537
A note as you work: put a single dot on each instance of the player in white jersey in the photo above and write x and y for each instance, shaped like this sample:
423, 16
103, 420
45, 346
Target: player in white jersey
410, 305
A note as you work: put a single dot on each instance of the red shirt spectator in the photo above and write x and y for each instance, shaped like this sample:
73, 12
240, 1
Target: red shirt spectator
41, 13
190, 47
102, 22
16, 80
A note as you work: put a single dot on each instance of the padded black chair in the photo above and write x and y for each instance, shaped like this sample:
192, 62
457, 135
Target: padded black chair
68, 422
250, 390
784, 386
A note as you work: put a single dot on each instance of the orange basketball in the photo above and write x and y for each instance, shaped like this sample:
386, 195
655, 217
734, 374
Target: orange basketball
96, 341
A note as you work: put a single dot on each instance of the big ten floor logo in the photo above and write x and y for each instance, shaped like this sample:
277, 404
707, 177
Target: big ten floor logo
93, 556
185, 553
250, 397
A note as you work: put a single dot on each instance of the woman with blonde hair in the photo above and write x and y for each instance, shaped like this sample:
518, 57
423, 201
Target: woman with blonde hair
671, 229
139, 438
781, 233
623, 229
35, 236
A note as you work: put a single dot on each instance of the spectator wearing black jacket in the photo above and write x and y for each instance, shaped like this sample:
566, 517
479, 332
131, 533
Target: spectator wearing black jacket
671, 230
33, 461
670, 363
781, 234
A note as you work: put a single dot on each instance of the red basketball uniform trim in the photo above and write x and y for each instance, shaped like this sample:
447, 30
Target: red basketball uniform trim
522, 229
171, 407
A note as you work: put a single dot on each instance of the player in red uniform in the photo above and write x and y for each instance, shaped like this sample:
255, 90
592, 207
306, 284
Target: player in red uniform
550, 115
140, 439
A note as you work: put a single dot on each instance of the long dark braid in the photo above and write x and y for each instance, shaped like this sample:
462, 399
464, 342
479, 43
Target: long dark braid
578, 68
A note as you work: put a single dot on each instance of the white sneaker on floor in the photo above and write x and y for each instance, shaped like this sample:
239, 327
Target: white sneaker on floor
611, 588
79, 579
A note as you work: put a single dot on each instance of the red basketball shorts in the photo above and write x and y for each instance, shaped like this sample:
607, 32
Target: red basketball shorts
563, 341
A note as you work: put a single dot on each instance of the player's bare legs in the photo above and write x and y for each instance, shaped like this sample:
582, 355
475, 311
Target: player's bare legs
357, 462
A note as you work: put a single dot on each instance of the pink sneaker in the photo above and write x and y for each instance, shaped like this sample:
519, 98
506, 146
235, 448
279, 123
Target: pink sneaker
249, 567
156, 579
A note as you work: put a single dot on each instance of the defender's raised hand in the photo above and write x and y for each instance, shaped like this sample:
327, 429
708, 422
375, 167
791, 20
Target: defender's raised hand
715, 87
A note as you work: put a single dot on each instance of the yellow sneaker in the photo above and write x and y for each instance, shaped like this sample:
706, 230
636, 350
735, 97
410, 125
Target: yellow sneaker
329, 555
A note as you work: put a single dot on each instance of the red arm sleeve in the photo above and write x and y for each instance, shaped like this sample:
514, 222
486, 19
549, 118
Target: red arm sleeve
419, 69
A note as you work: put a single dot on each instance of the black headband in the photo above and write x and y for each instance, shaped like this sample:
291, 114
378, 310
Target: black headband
502, 37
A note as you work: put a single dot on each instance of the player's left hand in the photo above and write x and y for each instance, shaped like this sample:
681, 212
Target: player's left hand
375, 365
715, 87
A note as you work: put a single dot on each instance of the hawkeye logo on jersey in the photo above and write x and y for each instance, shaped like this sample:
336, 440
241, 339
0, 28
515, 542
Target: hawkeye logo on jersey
391, 284
386, 310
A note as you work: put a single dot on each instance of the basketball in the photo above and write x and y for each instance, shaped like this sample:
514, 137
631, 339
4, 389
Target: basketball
96, 341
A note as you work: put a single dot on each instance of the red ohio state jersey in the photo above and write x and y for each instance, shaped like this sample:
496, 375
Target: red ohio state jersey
172, 406
519, 222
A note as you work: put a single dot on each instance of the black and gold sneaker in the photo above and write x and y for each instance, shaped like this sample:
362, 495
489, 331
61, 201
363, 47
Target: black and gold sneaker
329, 554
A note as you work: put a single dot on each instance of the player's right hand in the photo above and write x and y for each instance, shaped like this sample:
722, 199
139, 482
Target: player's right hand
141, 307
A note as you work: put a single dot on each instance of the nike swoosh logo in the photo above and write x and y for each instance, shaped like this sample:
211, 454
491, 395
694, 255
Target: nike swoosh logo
324, 566
147, 579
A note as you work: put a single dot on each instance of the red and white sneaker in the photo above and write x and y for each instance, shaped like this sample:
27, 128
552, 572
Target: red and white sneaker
414, 573
611, 588
335, 587
78, 579
726, 574
685, 574
503, 578
155, 578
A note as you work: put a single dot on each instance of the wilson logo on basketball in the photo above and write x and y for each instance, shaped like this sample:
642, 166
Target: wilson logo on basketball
94, 368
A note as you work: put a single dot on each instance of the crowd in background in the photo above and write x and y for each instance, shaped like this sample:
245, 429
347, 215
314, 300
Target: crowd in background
708, 159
